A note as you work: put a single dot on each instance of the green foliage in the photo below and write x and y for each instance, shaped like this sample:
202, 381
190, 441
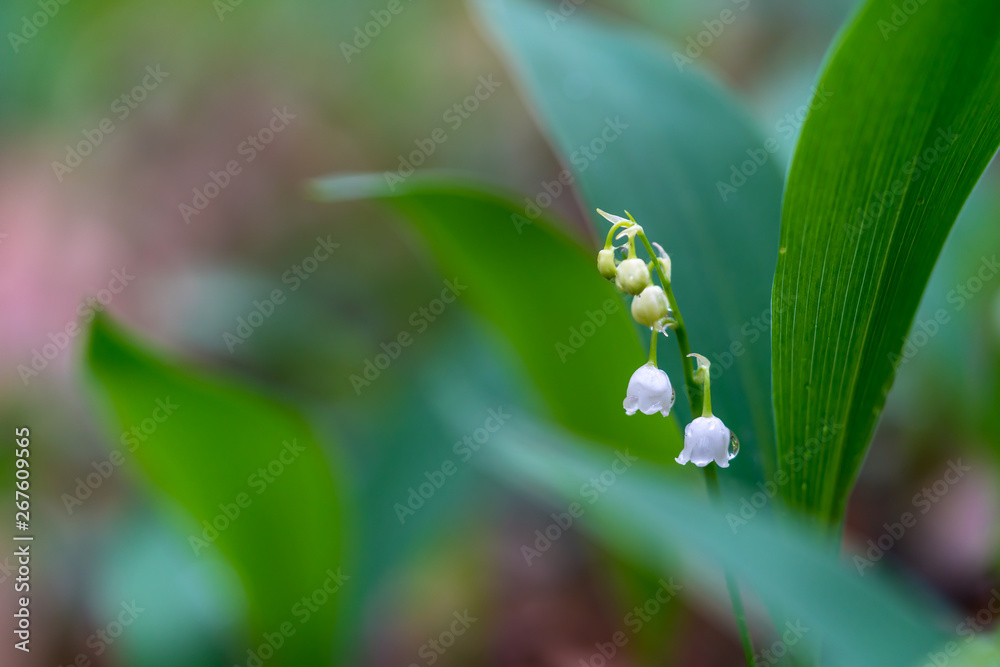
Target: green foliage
879, 176
907, 125
537, 286
204, 442
858, 621
641, 133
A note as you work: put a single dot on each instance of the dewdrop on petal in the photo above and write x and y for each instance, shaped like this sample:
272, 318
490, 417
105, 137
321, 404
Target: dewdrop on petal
650, 308
606, 263
706, 439
649, 391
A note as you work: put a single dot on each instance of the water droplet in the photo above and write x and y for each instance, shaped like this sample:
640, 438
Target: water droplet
673, 395
734, 446
781, 251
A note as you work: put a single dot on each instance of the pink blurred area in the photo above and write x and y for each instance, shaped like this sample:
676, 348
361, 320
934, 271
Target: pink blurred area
53, 255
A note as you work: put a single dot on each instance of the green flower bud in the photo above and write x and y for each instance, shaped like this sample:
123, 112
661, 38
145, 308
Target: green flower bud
633, 276
606, 263
650, 307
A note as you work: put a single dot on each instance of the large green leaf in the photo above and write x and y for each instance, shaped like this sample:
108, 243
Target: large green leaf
203, 442
858, 621
673, 168
543, 291
879, 176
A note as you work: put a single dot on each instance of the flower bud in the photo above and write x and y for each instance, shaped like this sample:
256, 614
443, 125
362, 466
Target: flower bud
633, 276
606, 263
663, 259
664, 266
650, 307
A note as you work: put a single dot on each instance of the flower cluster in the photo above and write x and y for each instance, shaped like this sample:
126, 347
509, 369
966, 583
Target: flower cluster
706, 439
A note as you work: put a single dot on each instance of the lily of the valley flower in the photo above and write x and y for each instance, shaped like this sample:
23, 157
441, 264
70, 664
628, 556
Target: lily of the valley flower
649, 391
706, 439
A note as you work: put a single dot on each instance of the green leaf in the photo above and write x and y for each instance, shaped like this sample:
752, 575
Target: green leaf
395, 529
538, 287
857, 620
587, 78
203, 442
943, 374
879, 176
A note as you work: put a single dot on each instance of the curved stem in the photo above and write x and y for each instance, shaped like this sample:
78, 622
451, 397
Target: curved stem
614, 228
711, 476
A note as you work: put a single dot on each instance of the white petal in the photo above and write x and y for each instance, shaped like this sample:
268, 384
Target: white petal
649, 391
706, 439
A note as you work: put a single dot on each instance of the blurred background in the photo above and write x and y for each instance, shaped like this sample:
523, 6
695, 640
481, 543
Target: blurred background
118, 122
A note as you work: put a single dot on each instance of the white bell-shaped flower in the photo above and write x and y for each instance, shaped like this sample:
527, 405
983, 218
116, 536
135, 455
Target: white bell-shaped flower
706, 439
649, 391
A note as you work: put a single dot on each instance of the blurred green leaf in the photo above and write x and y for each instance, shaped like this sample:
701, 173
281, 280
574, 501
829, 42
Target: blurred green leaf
945, 376
396, 524
538, 287
641, 132
970, 651
858, 620
213, 446
879, 176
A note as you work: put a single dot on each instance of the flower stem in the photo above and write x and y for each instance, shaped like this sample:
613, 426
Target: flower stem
711, 476
652, 348
712, 482
706, 392
693, 391
614, 228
